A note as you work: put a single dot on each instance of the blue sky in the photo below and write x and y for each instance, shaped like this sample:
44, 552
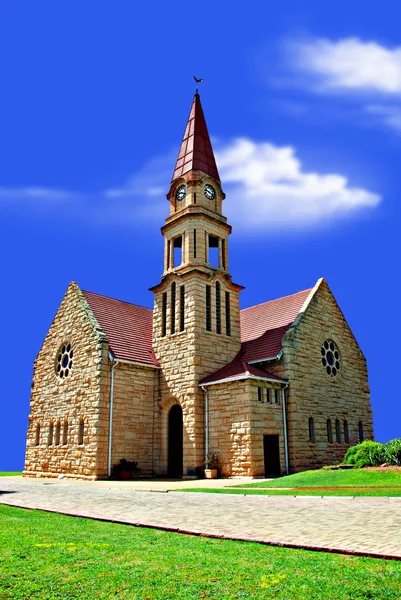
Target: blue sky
303, 103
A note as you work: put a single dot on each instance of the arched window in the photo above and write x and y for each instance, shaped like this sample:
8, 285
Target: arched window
50, 437
346, 432
57, 436
311, 430
182, 308
65, 433
329, 432
172, 314
208, 308
81, 433
218, 307
164, 314
37, 435
228, 315
360, 430
338, 431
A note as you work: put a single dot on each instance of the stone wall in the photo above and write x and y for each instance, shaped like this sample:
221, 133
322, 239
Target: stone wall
266, 419
71, 399
188, 356
230, 427
134, 414
237, 424
313, 393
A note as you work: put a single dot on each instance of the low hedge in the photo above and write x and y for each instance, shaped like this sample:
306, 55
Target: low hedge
374, 454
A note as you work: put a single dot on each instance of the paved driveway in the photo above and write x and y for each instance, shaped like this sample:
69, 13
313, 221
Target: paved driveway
361, 525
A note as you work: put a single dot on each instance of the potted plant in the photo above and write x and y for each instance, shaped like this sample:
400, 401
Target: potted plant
211, 464
125, 469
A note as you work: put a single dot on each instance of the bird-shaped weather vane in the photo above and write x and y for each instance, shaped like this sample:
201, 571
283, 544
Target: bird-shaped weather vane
200, 80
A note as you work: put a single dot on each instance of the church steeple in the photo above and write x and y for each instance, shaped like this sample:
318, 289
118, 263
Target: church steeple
196, 152
196, 317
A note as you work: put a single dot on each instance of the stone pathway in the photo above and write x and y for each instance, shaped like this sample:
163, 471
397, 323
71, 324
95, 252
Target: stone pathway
367, 526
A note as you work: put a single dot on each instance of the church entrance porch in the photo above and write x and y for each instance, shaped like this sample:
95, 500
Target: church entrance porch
271, 450
175, 442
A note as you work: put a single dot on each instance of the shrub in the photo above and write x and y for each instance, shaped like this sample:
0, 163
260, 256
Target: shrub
393, 452
366, 454
125, 469
349, 458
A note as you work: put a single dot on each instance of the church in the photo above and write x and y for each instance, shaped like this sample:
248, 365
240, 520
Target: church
275, 388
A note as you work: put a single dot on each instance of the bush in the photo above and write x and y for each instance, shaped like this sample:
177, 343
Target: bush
125, 469
393, 452
366, 454
349, 458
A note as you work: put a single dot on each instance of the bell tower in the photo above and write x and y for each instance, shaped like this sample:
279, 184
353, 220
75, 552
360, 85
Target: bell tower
196, 320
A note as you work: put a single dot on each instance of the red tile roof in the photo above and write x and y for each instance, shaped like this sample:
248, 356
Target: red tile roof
196, 150
128, 328
264, 325
262, 329
236, 370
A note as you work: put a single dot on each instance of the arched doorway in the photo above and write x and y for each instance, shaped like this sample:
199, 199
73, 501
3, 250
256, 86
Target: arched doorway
175, 453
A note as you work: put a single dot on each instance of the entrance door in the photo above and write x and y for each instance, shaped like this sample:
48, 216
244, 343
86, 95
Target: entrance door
271, 449
175, 453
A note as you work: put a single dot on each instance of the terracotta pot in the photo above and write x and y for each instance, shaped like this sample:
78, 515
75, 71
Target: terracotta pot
211, 473
126, 474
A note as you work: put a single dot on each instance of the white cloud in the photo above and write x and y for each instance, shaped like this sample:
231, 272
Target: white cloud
35, 193
151, 180
365, 72
267, 187
389, 114
350, 64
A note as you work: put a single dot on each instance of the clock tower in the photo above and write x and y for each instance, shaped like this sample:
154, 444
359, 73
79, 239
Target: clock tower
196, 321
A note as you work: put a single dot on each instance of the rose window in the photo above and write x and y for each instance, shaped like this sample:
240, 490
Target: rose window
64, 361
331, 359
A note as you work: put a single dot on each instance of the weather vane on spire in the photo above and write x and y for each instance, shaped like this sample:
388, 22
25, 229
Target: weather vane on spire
198, 81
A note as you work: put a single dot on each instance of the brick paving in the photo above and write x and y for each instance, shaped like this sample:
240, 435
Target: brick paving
361, 525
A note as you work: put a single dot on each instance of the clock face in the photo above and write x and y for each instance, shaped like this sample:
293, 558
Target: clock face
210, 192
181, 192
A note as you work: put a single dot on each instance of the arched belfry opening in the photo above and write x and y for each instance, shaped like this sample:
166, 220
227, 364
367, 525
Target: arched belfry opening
175, 442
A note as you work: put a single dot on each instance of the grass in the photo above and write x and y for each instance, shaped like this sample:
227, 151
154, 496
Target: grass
357, 478
9, 473
47, 556
298, 492
353, 482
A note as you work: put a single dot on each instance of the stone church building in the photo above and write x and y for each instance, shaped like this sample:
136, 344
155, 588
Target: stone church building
278, 387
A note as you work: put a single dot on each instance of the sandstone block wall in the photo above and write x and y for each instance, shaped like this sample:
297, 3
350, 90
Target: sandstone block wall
237, 424
230, 427
75, 398
313, 393
134, 416
188, 356
266, 419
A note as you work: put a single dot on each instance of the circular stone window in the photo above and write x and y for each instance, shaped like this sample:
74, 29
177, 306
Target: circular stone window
64, 360
331, 359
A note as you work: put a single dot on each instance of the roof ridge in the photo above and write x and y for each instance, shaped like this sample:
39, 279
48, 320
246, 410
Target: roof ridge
116, 300
276, 299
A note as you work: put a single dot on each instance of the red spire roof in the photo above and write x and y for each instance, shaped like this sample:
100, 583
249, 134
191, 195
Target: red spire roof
196, 150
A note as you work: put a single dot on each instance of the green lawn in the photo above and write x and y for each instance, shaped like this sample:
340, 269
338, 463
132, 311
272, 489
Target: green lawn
342, 478
353, 482
390, 492
46, 556
8, 474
